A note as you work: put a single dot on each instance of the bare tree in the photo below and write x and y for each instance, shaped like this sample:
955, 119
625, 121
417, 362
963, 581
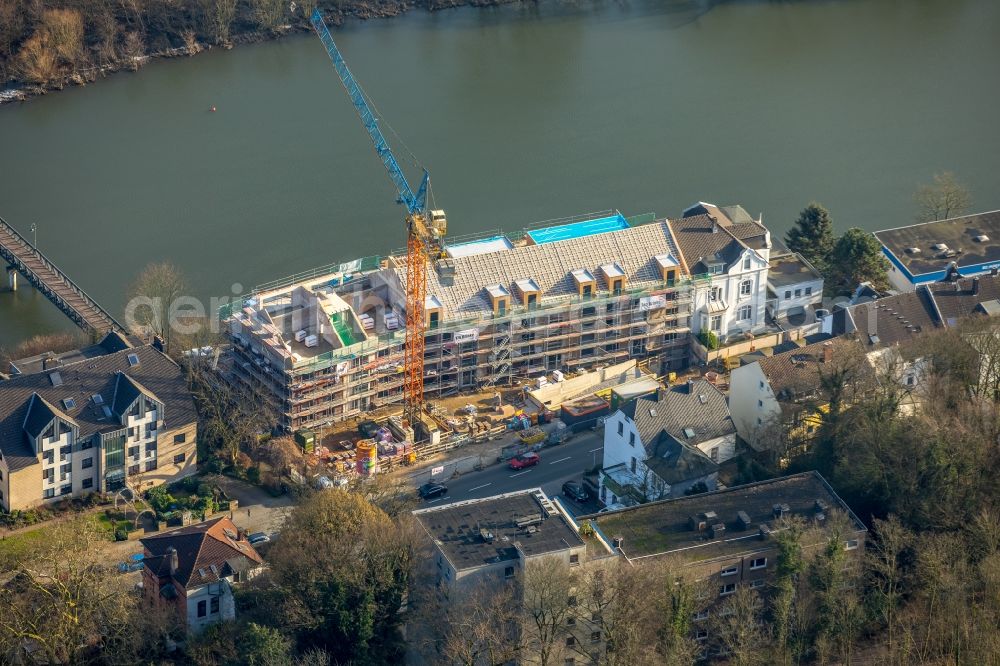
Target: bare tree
268, 13
945, 198
156, 288
738, 628
549, 602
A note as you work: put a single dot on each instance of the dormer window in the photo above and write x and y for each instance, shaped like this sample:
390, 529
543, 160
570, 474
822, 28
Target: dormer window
529, 291
746, 262
668, 267
432, 312
716, 269
586, 284
615, 277
499, 298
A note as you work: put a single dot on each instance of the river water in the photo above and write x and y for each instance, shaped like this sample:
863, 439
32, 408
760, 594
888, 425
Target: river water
522, 114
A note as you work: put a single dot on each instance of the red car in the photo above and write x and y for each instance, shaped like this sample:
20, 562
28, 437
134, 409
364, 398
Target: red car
524, 460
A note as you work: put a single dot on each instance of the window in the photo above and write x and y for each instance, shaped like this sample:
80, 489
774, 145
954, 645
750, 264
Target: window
851, 544
179, 458
809, 291
48, 493
716, 322
49, 475
798, 292
66, 490
86, 444
745, 312
595, 616
621, 428
49, 456
760, 403
727, 589
133, 452
754, 584
150, 448
508, 572
714, 454
570, 621
595, 637
181, 438
746, 287
151, 465
69, 403
700, 615
88, 483
788, 294
570, 641
574, 559
215, 605
631, 438
716, 294
730, 571
634, 464
87, 463
702, 635
758, 563
202, 607
746, 263
716, 269
571, 601
64, 452
133, 469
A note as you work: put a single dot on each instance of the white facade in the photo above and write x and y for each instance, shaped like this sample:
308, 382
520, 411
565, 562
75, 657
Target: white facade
752, 403
208, 604
805, 294
733, 300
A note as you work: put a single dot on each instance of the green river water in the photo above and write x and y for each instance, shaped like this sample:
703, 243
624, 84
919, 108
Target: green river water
523, 113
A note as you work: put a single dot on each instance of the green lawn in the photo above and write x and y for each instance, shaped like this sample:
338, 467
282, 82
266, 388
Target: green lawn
16, 545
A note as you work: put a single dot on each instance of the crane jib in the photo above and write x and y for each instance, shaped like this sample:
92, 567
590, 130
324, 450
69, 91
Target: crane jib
415, 203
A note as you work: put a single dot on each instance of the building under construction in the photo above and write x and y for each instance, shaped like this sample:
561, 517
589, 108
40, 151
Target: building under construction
499, 310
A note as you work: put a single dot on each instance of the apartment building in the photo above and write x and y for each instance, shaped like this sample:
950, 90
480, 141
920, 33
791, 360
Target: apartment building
88, 420
732, 250
567, 297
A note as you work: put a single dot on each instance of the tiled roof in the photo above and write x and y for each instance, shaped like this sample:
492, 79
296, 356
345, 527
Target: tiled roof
155, 372
676, 462
550, 265
959, 299
894, 319
203, 552
702, 410
797, 372
703, 239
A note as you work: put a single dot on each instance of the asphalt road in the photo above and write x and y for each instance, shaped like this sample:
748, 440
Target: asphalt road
561, 463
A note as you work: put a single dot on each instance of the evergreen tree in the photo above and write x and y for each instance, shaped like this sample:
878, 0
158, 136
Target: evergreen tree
856, 258
812, 236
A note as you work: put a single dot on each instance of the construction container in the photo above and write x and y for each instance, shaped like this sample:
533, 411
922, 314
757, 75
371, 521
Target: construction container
306, 439
312, 341
583, 413
300, 335
531, 435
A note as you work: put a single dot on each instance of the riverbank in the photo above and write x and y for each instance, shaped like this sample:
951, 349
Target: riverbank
22, 91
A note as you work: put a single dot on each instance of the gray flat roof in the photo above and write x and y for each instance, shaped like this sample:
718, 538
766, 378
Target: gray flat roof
456, 529
662, 528
959, 234
791, 269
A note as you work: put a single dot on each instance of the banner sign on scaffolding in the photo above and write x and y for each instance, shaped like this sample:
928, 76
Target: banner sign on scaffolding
468, 335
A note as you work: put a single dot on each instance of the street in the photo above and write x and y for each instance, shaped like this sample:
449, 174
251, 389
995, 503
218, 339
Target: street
560, 463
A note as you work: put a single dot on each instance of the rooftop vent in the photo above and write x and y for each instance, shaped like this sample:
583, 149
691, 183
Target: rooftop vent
689, 432
56, 379
764, 531
982, 238
97, 398
913, 250
718, 530
743, 520
940, 247
821, 505
780, 510
487, 536
528, 521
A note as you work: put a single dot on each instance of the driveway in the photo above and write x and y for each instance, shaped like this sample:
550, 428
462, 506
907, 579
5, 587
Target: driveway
259, 511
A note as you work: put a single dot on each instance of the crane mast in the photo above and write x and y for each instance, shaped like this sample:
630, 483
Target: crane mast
423, 234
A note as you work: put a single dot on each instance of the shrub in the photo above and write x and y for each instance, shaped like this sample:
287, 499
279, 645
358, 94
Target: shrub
121, 534
253, 475
709, 339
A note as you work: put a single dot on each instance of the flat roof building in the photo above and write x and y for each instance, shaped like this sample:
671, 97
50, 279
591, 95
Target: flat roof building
492, 538
922, 253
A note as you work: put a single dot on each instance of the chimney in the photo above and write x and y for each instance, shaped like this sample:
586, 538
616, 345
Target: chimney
827, 351
994, 271
158, 344
172, 554
690, 386
975, 286
715, 226
661, 393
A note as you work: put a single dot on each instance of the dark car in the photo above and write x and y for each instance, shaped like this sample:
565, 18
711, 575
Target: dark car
432, 490
367, 429
524, 460
575, 491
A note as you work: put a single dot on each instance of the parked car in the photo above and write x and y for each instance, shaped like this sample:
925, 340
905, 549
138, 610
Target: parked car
612, 507
575, 492
258, 538
525, 460
430, 490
